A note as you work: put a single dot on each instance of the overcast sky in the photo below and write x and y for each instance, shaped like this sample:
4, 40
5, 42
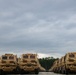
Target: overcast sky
46, 27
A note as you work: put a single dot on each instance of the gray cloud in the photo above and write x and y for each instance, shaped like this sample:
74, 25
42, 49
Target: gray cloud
46, 27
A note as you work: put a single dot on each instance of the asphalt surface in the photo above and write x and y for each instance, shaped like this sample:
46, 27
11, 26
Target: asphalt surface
43, 73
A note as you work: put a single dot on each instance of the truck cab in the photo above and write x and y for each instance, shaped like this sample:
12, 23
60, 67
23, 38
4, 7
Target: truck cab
29, 63
8, 63
70, 61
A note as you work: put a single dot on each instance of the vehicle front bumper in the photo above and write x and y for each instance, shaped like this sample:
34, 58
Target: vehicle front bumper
8, 68
29, 68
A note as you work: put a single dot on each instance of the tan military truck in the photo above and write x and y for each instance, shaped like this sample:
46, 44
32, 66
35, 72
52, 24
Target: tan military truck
8, 63
56, 64
42, 69
28, 63
66, 64
61, 65
54, 67
69, 63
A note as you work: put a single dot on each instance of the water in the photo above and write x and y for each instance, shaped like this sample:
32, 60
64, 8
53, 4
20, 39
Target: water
43, 73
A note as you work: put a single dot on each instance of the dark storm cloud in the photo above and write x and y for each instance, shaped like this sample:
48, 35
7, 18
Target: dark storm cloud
46, 27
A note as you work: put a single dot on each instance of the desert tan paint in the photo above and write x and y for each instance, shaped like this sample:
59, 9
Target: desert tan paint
65, 64
29, 63
8, 64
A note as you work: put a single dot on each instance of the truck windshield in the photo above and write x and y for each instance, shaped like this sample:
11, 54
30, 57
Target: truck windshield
25, 56
4, 57
71, 55
11, 57
32, 56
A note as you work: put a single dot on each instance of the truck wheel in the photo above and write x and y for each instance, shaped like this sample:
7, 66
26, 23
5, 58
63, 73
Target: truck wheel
1, 72
15, 71
66, 71
36, 71
18, 70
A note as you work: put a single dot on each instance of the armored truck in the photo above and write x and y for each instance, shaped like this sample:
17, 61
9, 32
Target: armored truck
28, 63
8, 63
66, 64
69, 63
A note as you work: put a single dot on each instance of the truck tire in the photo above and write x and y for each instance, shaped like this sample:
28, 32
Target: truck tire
36, 71
1, 72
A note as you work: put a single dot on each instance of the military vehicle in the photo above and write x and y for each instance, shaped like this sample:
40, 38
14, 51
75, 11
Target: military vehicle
52, 68
66, 64
41, 69
28, 63
8, 63
55, 66
69, 63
